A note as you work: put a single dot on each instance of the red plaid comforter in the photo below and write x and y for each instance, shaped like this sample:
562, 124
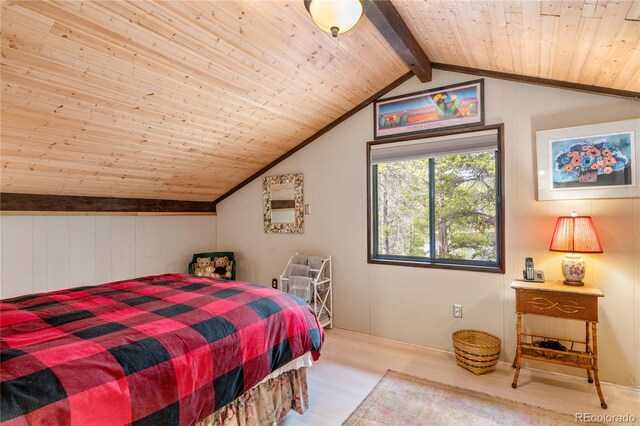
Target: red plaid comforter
167, 349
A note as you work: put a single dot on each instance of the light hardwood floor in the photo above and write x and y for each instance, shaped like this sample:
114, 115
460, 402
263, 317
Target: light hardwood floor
352, 364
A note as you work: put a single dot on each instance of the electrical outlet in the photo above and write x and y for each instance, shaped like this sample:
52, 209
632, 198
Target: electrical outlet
457, 311
274, 283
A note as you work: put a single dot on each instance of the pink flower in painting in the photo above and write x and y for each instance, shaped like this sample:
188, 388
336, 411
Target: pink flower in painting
606, 152
601, 164
607, 170
573, 154
576, 161
585, 148
595, 166
609, 161
568, 167
593, 151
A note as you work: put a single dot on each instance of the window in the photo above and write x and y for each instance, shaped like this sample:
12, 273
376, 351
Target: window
436, 201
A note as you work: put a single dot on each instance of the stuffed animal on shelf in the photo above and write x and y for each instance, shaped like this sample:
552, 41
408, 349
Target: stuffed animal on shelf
203, 267
222, 268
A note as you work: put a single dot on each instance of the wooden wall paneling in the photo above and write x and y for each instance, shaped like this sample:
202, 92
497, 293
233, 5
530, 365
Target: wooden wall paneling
46, 253
104, 252
201, 239
148, 244
128, 253
39, 246
82, 251
58, 253
17, 258
172, 254
116, 247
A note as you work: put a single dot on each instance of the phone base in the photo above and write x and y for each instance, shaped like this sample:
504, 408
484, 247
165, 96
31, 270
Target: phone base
538, 276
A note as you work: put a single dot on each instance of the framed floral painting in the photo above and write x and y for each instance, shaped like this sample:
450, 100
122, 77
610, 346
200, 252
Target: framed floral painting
594, 161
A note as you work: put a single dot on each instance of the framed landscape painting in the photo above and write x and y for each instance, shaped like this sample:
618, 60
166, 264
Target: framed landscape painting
595, 161
448, 107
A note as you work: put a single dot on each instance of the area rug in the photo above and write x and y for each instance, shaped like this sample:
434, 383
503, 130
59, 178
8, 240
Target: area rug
399, 399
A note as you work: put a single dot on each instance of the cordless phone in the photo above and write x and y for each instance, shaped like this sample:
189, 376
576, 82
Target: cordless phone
528, 269
531, 274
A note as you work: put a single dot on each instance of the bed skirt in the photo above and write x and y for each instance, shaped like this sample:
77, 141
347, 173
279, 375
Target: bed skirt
265, 404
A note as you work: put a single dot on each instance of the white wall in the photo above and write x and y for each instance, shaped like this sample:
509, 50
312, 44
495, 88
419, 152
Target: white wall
414, 304
45, 253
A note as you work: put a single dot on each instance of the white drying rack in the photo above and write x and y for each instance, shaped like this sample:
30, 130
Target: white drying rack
321, 292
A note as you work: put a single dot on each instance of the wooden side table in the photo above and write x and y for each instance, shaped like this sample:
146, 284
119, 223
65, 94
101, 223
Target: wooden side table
554, 299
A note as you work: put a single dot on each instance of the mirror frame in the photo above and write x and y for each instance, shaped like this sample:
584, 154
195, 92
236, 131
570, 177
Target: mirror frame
296, 227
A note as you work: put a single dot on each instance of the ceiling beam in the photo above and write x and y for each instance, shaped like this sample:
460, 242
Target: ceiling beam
385, 17
539, 80
65, 203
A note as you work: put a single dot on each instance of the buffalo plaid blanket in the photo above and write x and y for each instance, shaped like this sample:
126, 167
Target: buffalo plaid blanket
168, 349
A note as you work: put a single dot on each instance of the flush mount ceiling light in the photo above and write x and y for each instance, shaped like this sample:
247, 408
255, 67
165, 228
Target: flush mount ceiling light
336, 16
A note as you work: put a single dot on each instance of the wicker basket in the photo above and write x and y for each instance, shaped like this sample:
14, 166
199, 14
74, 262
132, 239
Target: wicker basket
476, 350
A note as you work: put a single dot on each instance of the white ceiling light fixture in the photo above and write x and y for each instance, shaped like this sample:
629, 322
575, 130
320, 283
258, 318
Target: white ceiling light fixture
336, 16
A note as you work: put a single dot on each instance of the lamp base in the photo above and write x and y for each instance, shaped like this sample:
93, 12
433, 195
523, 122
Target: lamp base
573, 269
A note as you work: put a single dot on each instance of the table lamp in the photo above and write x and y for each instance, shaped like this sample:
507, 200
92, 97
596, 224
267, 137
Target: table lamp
574, 234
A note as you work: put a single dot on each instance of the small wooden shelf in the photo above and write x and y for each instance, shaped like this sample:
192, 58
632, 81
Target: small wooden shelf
553, 299
577, 353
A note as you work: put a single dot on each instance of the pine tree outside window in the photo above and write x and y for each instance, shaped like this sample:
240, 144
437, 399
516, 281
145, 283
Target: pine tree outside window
436, 201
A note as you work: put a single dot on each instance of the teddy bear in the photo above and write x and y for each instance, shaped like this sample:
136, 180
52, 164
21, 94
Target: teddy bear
204, 267
222, 267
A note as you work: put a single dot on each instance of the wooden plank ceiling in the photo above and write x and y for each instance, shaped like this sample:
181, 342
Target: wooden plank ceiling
184, 100
170, 100
591, 42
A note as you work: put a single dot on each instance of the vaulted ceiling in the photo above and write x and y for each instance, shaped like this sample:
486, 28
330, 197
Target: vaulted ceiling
184, 100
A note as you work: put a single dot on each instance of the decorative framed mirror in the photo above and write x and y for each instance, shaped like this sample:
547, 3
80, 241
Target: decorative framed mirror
283, 204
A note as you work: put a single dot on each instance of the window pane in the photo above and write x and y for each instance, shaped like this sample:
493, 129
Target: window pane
403, 208
465, 206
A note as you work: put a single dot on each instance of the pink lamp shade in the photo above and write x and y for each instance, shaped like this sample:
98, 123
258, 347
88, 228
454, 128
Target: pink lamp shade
575, 234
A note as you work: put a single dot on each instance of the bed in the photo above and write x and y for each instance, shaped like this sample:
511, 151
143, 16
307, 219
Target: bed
166, 349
